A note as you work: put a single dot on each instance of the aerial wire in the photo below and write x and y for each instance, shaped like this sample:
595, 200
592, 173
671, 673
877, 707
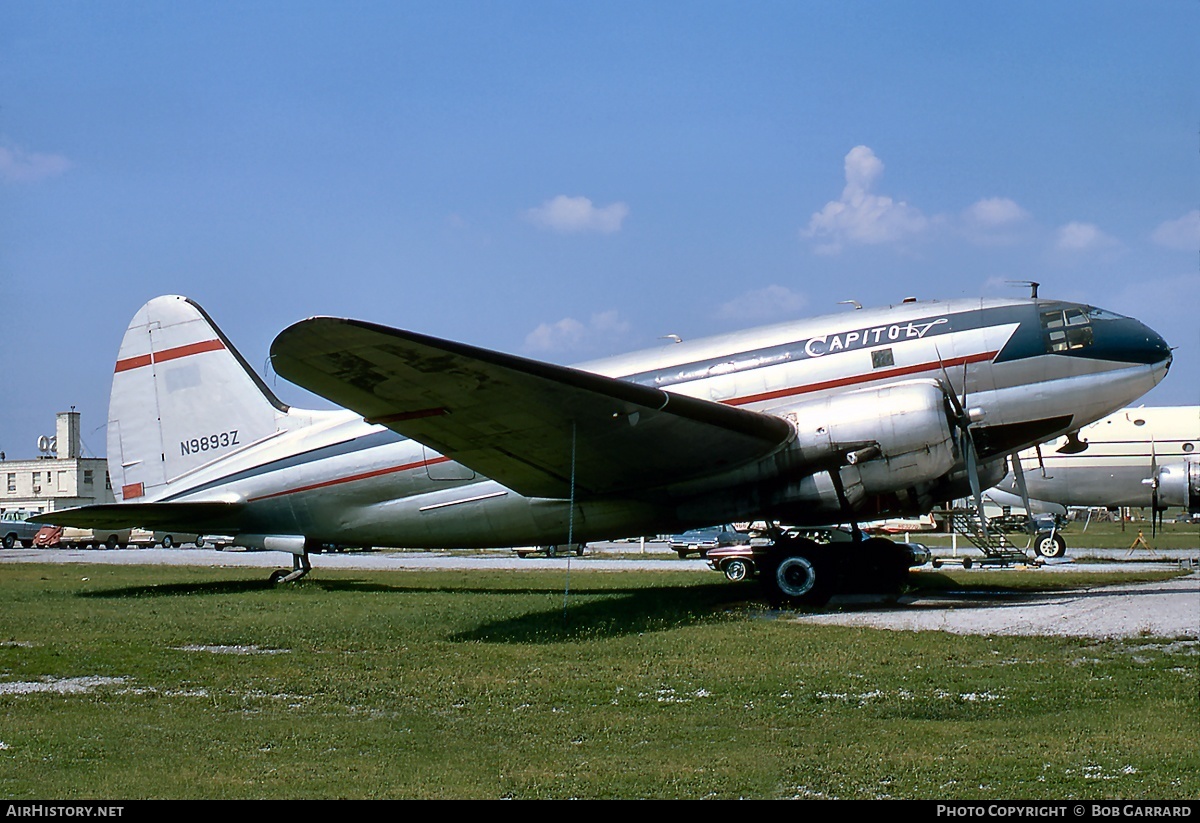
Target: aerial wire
570, 524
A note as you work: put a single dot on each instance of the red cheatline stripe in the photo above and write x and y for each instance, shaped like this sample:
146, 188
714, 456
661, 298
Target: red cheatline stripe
353, 477
859, 378
168, 354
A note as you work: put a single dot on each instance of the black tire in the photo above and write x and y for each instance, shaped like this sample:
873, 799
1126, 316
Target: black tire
579, 551
1050, 545
736, 570
799, 575
552, 551
27, 544
879, 566
167, 542
682, 555
10, 540
112, 542
277, 576
966, 562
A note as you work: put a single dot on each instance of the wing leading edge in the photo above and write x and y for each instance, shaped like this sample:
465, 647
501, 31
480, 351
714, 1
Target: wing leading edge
529, 425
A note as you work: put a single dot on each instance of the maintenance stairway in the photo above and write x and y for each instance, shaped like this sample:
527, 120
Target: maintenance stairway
996, 547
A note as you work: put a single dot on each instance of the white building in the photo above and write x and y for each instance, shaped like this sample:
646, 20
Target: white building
60, 478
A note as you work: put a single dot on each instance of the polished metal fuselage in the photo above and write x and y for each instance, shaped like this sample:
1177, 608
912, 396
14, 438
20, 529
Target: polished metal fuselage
1124, 453
338, 479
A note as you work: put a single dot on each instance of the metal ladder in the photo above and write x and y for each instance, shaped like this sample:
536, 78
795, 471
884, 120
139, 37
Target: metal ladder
996, 548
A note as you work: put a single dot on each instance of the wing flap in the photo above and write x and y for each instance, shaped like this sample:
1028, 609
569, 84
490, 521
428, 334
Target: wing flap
527, 424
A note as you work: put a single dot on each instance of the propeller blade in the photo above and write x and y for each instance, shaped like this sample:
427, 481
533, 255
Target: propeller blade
973, 476
1153, 489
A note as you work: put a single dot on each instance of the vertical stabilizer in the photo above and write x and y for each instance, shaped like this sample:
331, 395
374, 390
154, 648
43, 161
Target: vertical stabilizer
182, 397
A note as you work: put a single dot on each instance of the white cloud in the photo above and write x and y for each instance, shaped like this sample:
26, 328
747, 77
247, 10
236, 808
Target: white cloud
1082, 237
570, 336
577, 214
763, 304
24, 167
995, 212
1183, 234
861, 217
994, 221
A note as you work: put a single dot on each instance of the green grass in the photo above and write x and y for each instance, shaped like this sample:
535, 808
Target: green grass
482, 685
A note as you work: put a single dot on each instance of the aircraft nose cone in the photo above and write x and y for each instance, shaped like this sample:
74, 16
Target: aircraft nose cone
1132, 341
1157, 350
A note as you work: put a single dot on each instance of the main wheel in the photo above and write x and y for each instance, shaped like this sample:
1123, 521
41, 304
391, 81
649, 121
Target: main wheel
1051, 545
801, 575
877, 566
736, 570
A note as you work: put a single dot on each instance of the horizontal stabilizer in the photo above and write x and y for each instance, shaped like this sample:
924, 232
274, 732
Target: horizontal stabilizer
201, 518
529, 425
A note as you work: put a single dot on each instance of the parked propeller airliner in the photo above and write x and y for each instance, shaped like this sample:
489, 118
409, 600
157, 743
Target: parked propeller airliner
854, 416
1141, 457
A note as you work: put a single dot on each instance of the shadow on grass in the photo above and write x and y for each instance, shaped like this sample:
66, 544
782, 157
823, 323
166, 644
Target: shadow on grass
604, 613
181, 589
591, 612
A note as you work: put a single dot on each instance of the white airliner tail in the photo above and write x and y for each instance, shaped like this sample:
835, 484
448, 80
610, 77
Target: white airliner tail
182, 396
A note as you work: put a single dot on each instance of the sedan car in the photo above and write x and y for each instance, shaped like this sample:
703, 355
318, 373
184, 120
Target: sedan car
701, 541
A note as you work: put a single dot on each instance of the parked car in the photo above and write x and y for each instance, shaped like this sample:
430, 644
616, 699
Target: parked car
53, 537
736, 562
552, 551
746, 561
701, 541
169, 540
14, 528
48, 537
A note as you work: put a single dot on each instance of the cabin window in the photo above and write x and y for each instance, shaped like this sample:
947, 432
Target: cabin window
881, 358
1066, 329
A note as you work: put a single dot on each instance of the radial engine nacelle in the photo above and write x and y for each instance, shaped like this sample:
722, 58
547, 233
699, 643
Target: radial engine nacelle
1179, 485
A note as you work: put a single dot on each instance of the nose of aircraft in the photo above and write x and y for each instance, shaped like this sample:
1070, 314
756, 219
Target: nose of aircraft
1131, 341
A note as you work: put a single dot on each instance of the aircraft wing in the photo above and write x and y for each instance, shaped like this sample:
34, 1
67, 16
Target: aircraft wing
203, 517
521, 422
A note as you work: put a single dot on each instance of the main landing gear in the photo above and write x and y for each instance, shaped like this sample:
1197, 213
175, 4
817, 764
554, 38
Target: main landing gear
300, 567
801, 572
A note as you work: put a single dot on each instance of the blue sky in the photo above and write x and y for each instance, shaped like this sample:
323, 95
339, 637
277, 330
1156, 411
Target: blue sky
567, 180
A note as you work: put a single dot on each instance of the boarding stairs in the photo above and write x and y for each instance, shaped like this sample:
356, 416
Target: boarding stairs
997, 549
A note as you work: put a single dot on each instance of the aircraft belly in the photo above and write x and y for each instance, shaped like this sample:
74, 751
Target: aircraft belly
486, 515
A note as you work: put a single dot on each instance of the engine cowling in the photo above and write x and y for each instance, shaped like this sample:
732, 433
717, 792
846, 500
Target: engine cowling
1179, 485
884, 440
893, 435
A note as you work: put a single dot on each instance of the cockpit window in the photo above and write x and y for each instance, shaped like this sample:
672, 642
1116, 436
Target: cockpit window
1102, 314
1066, 329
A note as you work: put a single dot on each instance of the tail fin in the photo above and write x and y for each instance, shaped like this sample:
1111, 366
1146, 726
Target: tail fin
181, 396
